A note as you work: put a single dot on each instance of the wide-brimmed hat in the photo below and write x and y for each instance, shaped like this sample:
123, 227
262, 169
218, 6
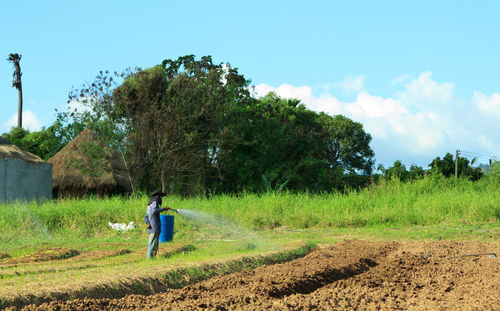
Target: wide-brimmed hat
158, 192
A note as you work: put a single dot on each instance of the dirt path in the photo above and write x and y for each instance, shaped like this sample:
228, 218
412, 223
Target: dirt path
351, 275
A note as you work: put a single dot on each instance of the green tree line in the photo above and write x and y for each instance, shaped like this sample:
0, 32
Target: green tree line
193, 127
444, 166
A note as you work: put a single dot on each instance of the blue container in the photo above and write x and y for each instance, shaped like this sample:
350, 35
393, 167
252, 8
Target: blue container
167, 228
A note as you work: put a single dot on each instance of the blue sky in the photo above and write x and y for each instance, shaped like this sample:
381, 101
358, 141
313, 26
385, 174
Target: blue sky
421, 76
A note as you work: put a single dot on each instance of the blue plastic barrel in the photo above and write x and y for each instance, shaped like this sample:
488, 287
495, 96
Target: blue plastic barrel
167, 228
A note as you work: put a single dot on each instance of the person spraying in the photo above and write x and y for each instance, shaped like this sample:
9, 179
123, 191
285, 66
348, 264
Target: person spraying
153, 223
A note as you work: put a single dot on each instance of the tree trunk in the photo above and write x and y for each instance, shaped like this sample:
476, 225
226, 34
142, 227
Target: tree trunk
128, 172
19, 95
20, 105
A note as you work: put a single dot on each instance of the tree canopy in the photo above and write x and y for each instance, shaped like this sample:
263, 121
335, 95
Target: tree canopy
277, 141
193, 127
44, 143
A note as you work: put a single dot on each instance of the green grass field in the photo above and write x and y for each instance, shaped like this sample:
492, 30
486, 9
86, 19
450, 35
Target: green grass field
432, 201
228, 233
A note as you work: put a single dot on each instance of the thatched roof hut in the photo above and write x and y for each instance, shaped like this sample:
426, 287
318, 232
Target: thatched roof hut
23, 175
86, 166
11, 151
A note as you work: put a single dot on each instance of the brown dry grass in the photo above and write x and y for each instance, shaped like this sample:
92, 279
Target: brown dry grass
112, 172
10, 151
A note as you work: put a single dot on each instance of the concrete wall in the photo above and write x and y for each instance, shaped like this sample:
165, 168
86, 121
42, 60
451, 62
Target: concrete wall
25, 181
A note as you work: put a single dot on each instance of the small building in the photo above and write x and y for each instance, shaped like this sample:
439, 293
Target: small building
23, 175
85, 166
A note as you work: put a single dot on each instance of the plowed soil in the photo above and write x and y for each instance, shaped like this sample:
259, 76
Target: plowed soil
350, 275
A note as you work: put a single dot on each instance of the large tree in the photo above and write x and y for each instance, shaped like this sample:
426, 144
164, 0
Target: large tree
176, 113
15, 59
348, 148
192, 127
274, 142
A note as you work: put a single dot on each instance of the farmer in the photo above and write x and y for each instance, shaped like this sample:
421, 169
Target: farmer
152, 220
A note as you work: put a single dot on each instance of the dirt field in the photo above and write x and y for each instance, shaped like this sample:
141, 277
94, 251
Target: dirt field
351, 275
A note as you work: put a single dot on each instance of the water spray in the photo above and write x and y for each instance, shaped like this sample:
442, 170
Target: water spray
229, 231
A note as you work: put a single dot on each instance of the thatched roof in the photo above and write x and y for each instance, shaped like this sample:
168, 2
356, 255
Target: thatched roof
11, 151
84, 162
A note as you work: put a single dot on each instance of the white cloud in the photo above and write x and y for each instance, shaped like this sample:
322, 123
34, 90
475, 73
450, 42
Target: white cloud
425, 93
263, 89
29, 120
489, 106
289, 91
368, 106
423, 120
327, 104
303, 93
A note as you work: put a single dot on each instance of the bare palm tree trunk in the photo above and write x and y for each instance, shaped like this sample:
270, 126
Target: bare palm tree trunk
19, 101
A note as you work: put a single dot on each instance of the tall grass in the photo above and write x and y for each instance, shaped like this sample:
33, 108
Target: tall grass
429, 201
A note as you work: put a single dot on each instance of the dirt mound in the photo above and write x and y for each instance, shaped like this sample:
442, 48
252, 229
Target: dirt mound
351, 275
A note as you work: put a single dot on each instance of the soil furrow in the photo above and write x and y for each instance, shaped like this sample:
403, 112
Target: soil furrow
351, 275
